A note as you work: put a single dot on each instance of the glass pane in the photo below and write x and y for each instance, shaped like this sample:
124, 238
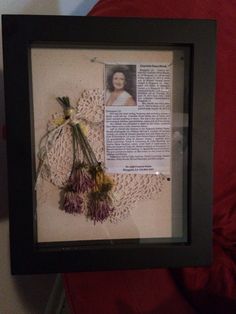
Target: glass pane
132, 112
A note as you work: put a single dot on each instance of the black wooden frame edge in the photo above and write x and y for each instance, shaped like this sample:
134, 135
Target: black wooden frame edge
199, 250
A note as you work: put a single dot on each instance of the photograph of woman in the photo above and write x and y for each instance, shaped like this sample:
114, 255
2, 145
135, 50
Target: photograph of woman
120, 81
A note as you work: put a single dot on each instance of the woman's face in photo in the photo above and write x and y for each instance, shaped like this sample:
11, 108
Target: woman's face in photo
118, 81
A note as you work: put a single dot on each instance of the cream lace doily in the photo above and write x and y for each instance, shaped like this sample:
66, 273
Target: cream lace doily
128, 188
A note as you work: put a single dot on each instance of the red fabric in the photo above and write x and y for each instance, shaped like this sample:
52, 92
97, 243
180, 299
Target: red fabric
188, 290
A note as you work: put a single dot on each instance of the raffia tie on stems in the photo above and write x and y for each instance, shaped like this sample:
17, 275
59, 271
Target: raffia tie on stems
88, 189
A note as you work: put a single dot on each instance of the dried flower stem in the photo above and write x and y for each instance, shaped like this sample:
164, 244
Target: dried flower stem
87, 176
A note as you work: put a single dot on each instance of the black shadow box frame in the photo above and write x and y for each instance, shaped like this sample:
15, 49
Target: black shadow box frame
20, 33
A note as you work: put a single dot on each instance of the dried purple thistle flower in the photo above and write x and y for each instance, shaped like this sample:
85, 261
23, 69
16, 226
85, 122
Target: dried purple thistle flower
72, 203
99, 209
80, 179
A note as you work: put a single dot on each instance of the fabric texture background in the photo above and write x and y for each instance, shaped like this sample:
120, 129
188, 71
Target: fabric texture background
187, 290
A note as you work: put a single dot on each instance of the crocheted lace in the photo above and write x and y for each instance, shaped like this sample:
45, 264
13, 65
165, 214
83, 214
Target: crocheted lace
128, 188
